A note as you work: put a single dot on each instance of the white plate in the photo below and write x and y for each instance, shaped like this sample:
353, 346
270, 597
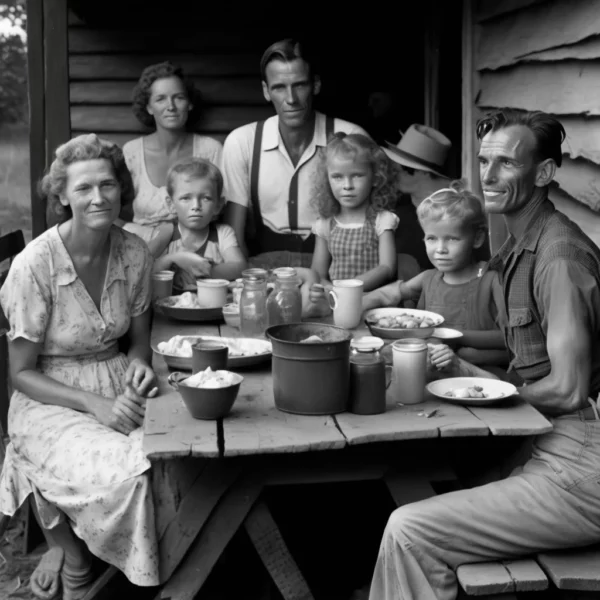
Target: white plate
396, 333
445, 333
495, 389
243, 352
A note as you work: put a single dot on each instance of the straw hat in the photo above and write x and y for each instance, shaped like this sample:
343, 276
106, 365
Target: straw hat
422, 148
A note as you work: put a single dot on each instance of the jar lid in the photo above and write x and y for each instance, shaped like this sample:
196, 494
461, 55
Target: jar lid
284, 272
367, 343
410, 345
254, 274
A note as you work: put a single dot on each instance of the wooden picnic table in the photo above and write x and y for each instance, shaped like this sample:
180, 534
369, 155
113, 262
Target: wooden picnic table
210, 475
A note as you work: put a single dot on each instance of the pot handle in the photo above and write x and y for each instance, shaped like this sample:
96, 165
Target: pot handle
331, 295
175, 378
388, 379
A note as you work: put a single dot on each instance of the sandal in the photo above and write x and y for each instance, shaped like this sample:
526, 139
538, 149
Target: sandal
76, 582
45, 579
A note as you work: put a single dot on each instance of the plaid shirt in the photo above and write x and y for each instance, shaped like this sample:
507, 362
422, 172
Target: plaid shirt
553, 261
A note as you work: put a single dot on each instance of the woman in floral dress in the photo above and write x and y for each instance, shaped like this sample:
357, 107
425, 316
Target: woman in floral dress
75, 416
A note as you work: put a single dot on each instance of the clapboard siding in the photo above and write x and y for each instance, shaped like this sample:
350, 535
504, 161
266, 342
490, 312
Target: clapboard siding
105, 63
546, 56
122, 138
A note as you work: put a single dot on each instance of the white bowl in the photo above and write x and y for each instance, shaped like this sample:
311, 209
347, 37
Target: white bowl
393, 333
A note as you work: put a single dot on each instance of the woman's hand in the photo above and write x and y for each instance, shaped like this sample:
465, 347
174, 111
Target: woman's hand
140, 377
124, 413
441, 357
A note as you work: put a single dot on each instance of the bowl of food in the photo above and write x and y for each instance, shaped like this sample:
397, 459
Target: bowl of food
231, 314
208, 395
398, 323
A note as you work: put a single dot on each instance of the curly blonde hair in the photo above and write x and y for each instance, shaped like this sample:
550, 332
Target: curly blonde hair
454, 202
354, 146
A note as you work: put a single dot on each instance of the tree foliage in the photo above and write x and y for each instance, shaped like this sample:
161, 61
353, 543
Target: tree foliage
13, 58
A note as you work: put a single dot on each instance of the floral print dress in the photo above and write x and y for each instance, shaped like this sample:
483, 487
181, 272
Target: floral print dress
74, 466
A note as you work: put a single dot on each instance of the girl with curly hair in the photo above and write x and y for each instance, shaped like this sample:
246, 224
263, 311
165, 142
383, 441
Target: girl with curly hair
166, 101
355, 231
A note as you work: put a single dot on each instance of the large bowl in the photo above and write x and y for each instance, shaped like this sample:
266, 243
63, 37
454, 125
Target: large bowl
207, 404
372, 316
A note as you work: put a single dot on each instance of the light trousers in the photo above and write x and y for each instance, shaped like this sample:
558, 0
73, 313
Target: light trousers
554, 502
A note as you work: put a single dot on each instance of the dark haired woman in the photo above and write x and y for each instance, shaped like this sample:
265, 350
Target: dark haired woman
165, 100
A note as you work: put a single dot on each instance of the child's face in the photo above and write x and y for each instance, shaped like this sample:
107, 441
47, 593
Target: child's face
351, 181
196, 202
449, 244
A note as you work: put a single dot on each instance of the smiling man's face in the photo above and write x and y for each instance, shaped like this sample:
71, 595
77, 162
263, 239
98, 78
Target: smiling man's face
291, 89
508, 168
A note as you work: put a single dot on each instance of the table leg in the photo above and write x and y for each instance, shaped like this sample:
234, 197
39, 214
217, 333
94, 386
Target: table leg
275, 555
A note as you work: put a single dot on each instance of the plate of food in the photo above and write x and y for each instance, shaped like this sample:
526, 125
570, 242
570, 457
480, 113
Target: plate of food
398, 323
243, 352
476, 391
186, 308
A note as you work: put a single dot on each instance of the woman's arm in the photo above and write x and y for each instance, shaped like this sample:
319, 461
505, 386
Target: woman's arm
23, 355
235, 263
321, 258
140, 374
388, 263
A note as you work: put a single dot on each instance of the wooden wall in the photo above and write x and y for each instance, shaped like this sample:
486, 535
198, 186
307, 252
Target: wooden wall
545, 55
106, 61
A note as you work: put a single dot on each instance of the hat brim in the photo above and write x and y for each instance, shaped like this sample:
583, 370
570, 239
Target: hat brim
394, 155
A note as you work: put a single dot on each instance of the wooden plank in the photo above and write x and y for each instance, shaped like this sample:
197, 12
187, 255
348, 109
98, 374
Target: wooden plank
582, 138
213, 90
508, 38
405, 422
58, 127
121, 138
255, 426
568, 87
516, 418
488, 9
194, 512
170, 431
275, 555
130, 66
485, 578
37, 131
584, 50
120, 118
227, 518
579, 213
575, 569
526, 574
86, 40
581, 180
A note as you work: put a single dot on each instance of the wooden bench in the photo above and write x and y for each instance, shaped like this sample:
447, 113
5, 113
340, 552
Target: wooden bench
501, 579
577, 569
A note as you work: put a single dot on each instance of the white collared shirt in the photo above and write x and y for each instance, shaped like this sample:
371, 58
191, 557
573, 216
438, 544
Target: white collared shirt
276, 172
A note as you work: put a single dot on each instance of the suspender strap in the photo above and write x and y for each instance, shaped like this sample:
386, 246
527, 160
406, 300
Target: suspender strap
293, 197
254, 201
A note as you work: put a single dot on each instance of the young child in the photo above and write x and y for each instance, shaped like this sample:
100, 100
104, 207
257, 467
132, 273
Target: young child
199, 246
355, 232
461, 289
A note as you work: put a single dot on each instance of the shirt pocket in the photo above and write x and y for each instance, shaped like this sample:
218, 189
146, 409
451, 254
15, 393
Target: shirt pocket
529, 342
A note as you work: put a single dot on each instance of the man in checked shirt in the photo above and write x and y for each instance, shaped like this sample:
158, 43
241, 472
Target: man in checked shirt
551, 275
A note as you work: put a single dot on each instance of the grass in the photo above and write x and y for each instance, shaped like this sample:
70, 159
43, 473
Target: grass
15, 194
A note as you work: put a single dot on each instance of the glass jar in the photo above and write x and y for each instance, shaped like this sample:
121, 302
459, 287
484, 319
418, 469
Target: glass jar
253, 303
367, 376
284, 304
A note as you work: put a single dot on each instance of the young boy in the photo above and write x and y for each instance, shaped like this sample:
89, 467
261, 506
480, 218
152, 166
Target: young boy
199, 246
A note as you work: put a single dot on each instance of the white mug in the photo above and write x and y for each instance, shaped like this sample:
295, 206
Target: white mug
212, 293
346, 302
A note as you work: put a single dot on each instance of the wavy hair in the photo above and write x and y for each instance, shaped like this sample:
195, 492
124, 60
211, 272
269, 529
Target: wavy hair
454, 202
81, 148
142, 92
354, 146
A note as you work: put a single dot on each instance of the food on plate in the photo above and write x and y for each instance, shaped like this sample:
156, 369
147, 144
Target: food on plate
185, 300
212, 379
474, 391
402, 321
313, 339
181, 345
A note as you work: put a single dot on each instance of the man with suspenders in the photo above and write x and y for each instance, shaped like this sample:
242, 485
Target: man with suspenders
269, 166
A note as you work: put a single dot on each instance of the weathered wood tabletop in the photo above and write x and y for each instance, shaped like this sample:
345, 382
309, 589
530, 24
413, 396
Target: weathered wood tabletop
209, 475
